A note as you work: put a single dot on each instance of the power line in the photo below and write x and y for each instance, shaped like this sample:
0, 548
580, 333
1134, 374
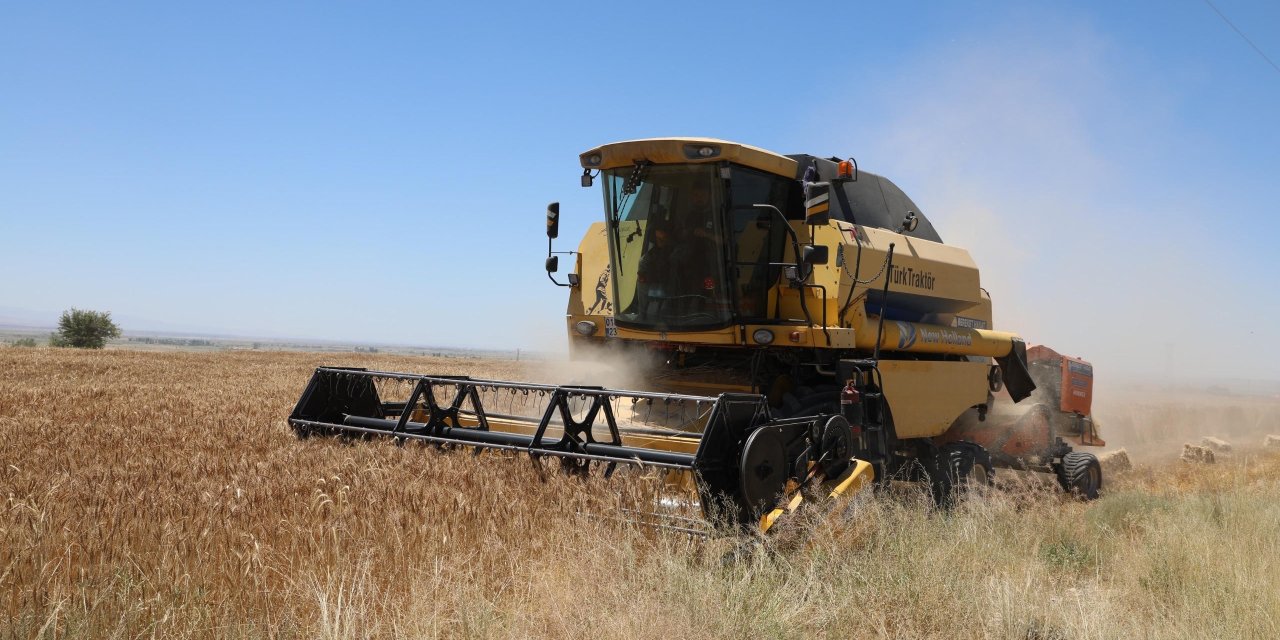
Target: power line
1242, 35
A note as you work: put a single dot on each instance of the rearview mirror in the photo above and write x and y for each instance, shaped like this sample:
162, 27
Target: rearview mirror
553, 220
553, 264
814, 254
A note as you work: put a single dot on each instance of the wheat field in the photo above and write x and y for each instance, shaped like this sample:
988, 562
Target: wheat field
162, 495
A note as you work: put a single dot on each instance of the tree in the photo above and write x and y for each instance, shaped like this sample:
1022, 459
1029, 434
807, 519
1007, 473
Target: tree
84, 329
24, 342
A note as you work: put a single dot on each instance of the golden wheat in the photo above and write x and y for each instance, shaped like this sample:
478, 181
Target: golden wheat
163, 495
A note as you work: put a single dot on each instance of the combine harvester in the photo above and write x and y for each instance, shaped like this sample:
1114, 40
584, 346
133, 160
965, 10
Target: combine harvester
809, 335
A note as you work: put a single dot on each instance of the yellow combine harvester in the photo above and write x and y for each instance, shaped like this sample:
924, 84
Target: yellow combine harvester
805, 328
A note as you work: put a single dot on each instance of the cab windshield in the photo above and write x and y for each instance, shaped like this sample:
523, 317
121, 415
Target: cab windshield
666, 236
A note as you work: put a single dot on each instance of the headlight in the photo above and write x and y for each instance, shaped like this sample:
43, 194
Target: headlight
585, 328
762, 336
701, 151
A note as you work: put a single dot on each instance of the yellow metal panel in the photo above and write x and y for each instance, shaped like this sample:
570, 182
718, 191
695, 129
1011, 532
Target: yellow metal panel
978, 316
926, 397
672, 151
839, 338
727, 335
808, 336
594, 294
920, 267
857, 477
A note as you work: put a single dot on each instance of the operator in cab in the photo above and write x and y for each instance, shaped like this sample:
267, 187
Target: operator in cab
684, 254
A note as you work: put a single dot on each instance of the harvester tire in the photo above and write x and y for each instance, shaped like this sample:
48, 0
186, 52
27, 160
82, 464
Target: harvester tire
962, 469
971, 465
1081, 474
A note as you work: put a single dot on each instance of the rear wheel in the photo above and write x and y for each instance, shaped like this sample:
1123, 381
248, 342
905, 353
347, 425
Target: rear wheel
1081, 474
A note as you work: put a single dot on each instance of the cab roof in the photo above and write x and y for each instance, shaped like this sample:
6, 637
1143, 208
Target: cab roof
870, 199
686, 150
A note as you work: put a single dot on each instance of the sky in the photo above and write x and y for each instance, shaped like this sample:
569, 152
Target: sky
379, 171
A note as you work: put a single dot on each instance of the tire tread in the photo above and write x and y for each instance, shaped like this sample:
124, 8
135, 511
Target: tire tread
1075, 474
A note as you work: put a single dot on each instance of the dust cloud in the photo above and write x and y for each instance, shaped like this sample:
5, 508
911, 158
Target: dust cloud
1048, 155
1089, 237
1153, 423
603, 367
614, 370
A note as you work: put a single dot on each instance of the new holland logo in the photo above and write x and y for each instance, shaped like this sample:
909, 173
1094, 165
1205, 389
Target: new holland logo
906, 335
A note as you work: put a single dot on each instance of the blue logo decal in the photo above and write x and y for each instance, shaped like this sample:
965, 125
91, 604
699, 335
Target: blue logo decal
906, 335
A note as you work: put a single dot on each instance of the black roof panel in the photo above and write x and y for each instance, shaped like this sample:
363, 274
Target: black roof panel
871, 200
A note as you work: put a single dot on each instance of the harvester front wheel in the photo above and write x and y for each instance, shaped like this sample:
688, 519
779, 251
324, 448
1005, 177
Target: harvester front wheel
1081, 474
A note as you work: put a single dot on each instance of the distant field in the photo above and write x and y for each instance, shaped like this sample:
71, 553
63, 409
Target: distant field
168, 341
161, 494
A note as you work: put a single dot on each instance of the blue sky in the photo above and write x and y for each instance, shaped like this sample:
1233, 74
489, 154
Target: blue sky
378, 171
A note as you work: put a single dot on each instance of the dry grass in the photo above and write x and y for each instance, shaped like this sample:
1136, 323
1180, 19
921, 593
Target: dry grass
162, 495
